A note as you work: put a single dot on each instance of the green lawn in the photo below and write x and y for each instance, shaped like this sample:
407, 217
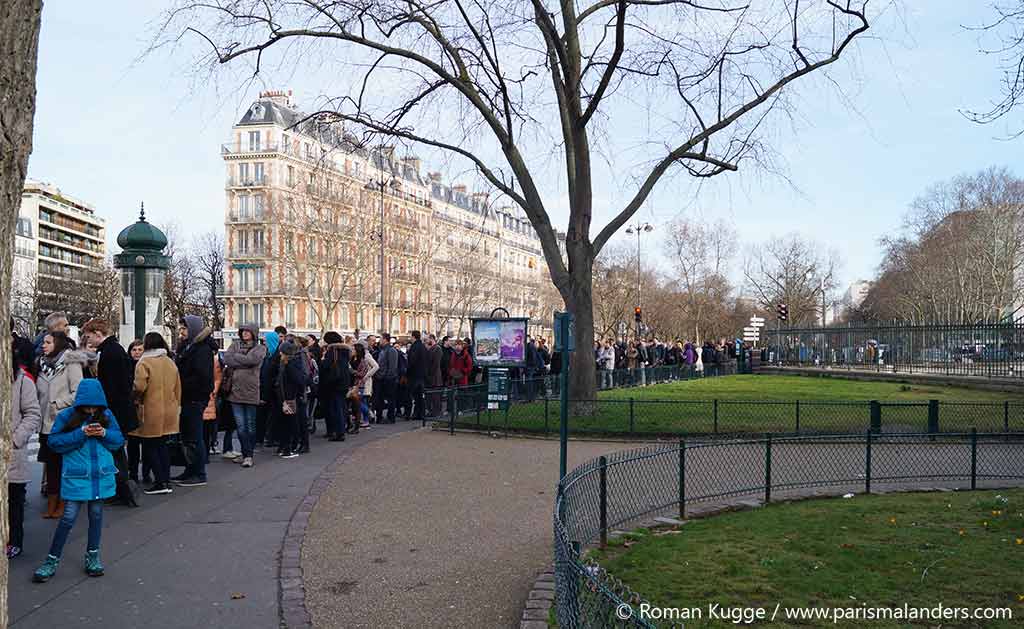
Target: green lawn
760, 404
960, 549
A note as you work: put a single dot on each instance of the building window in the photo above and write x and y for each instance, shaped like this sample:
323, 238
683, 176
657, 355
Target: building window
257, 315
289, 315
257, 241
284, 143
254, 140
24, 227
311, 322
243, 173
243, 314
257, 172
257, 201
257, 282
291, 176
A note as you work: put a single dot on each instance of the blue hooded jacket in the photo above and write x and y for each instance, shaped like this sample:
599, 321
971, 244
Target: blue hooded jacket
267, 385
88, 471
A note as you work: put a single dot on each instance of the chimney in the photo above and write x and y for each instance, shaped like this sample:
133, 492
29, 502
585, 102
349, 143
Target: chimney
412, 161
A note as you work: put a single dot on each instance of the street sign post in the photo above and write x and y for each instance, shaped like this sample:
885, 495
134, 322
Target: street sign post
565, 342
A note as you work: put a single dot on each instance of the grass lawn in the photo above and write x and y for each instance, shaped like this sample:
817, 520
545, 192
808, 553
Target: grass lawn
960, 549
760, 404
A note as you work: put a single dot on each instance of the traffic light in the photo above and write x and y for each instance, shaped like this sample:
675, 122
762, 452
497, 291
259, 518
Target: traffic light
638, 314
783, 312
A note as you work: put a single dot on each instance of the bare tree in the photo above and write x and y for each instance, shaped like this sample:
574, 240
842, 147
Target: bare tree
792, 271
484, 82
614, 292
19, 50
700, 254
208, 254
1007, 31
466, 288
181, 283
327, 246
961, 257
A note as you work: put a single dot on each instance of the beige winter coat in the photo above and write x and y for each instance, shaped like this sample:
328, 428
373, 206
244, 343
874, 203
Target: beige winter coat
157, 395
56, 387
25, 421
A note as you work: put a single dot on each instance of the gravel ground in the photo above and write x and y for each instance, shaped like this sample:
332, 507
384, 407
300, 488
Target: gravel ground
428, 530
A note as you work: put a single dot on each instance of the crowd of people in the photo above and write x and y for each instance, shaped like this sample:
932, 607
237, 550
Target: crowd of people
711, 358
111, 422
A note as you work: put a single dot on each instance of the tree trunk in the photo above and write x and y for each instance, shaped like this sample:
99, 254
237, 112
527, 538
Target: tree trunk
19, 47
580, 302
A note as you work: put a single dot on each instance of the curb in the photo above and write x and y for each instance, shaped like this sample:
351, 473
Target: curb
539, 602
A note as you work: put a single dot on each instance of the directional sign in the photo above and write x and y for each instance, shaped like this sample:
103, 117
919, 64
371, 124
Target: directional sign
750, 329
757, 319
757, 324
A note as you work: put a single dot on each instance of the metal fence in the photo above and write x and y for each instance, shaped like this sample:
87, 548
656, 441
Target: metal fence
629, 487
626, 416
992, 350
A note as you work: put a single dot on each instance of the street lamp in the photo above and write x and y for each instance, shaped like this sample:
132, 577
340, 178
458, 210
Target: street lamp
374, 184
638, 229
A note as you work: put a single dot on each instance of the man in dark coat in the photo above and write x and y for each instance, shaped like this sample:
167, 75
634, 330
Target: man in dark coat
416, 373
435, 374
195, 356
116, 373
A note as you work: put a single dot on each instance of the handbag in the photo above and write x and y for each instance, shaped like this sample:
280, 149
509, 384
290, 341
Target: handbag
353, 393
176, 451
289, 407
226, 382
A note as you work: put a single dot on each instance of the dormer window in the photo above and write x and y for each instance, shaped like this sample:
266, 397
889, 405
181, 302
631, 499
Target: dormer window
257, 111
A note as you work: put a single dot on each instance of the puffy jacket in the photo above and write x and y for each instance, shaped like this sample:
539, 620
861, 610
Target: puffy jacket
195, 366
88, 471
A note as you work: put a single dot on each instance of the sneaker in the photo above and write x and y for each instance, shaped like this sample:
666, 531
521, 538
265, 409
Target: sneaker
49, 568
180, 477
158, 488
364, 424
93, 567
289, 455
13, 551
238, 459
191, 482
247, 461
231, 455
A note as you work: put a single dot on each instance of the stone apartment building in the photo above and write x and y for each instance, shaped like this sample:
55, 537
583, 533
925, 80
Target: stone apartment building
303, 229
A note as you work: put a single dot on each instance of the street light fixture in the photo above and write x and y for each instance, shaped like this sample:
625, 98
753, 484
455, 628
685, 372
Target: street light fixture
638, 229
381, 184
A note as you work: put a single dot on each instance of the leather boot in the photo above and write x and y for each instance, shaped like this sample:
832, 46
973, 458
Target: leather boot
51, 508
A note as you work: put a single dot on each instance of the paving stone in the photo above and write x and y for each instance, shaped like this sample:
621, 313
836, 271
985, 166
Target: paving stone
546, 595
537, 603
544, 585
535, 614
534, 624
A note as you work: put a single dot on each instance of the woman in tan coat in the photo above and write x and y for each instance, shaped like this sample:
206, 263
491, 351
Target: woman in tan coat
157, 394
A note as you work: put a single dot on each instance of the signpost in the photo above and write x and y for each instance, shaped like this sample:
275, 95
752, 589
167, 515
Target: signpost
497, 388
565, 342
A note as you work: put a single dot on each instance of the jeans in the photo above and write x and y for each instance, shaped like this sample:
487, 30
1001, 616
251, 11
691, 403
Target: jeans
16, 513
245, 422
67, 522
192, 439
335, 407
228, 444
158, 458
606, 379
364, 408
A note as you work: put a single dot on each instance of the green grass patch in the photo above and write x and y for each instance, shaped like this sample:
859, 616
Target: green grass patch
761, 404
961, 549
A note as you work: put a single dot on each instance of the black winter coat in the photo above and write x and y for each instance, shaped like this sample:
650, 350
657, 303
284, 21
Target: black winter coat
335, 373
416, 372
116, 375
195, 367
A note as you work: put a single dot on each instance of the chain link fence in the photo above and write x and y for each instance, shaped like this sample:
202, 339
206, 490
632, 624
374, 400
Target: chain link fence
626, 488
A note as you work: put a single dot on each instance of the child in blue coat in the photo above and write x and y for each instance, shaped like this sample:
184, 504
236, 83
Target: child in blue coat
85, 434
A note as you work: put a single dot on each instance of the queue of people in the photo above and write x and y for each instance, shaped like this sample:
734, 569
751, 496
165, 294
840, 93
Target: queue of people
111, 423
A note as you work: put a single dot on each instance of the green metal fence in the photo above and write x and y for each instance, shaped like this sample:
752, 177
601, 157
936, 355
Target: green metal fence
991, 350
629, 487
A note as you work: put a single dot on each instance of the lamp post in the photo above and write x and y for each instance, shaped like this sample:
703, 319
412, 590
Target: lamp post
374, 184
638, 229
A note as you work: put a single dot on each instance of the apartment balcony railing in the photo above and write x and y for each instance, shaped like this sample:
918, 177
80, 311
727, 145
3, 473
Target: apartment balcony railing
405, 276
244, 148
244, 292
249, 252
25, 252
239, 217
72, 225
247, 182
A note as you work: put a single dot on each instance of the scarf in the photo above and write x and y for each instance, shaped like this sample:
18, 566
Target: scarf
50, 367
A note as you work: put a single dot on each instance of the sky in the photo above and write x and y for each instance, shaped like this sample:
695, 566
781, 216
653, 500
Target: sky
114, 127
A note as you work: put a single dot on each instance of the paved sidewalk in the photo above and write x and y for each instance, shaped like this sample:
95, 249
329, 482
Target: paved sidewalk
428, 530
177, 560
